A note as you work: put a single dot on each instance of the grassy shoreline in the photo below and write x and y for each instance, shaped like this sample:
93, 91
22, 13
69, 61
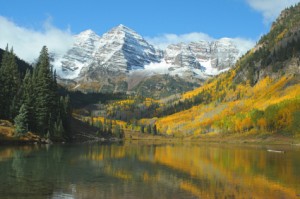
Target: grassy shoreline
273, 139
7, 137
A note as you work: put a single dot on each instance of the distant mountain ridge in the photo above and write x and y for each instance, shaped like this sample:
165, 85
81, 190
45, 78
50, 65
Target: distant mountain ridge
211, 57
109, 63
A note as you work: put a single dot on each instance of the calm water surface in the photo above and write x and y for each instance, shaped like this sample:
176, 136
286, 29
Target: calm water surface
140, 170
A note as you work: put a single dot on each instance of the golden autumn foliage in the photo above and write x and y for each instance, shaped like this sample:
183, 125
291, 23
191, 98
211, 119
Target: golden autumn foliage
114, 122
281, 35
223, 107
262, 124
271, 106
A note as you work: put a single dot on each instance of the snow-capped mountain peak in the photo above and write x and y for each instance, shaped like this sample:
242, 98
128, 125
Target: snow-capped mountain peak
123, 29
69, 65
86, 34
121, 51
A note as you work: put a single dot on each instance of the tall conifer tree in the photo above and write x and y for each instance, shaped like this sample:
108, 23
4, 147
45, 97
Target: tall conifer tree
21, 120
10, 82
28, 99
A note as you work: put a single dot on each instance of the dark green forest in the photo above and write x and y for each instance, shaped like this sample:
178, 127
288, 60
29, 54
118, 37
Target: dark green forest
30, 99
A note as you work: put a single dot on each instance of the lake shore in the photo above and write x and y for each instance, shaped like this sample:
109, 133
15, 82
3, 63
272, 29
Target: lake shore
255, 138
7, 137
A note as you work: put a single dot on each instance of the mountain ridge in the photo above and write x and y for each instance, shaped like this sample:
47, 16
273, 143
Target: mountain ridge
109, 60
90, 36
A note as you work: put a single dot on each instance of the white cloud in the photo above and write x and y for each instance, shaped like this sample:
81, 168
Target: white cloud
243, 44
166, 39
270, 8
27, 43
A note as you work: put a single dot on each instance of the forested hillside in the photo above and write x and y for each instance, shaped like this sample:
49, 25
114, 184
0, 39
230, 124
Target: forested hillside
29, 97
22, 65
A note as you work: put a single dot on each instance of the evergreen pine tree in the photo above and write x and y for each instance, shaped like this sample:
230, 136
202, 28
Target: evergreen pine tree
4, 89
250, 75
53, 100
122, 132
65, 116
58, 129
105, 126
43, 93
142, 129
154, 130
100, 125
117, 131
149, 129
10, 81
109, 127
21, 120
28, 99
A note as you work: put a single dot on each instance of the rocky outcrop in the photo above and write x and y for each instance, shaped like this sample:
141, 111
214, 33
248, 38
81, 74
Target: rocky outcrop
220, 54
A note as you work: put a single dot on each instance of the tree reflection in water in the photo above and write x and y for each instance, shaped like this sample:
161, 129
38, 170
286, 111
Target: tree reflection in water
135, 170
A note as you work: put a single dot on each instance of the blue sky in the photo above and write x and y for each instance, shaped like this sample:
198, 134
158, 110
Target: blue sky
158, 20
218, 18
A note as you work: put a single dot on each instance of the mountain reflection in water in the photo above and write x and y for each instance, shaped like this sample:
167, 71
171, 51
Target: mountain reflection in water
139, 170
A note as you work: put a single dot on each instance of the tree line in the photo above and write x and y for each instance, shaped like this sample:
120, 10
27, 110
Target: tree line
107, 128
32, 101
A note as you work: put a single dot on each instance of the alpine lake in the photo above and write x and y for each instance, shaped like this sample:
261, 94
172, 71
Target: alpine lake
149, 170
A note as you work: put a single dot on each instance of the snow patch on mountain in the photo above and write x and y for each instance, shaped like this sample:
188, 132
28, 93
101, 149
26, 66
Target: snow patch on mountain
69, 65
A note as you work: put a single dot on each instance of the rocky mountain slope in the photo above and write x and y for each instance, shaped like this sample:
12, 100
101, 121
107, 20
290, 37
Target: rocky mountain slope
80, 54
210, 57
116, 61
